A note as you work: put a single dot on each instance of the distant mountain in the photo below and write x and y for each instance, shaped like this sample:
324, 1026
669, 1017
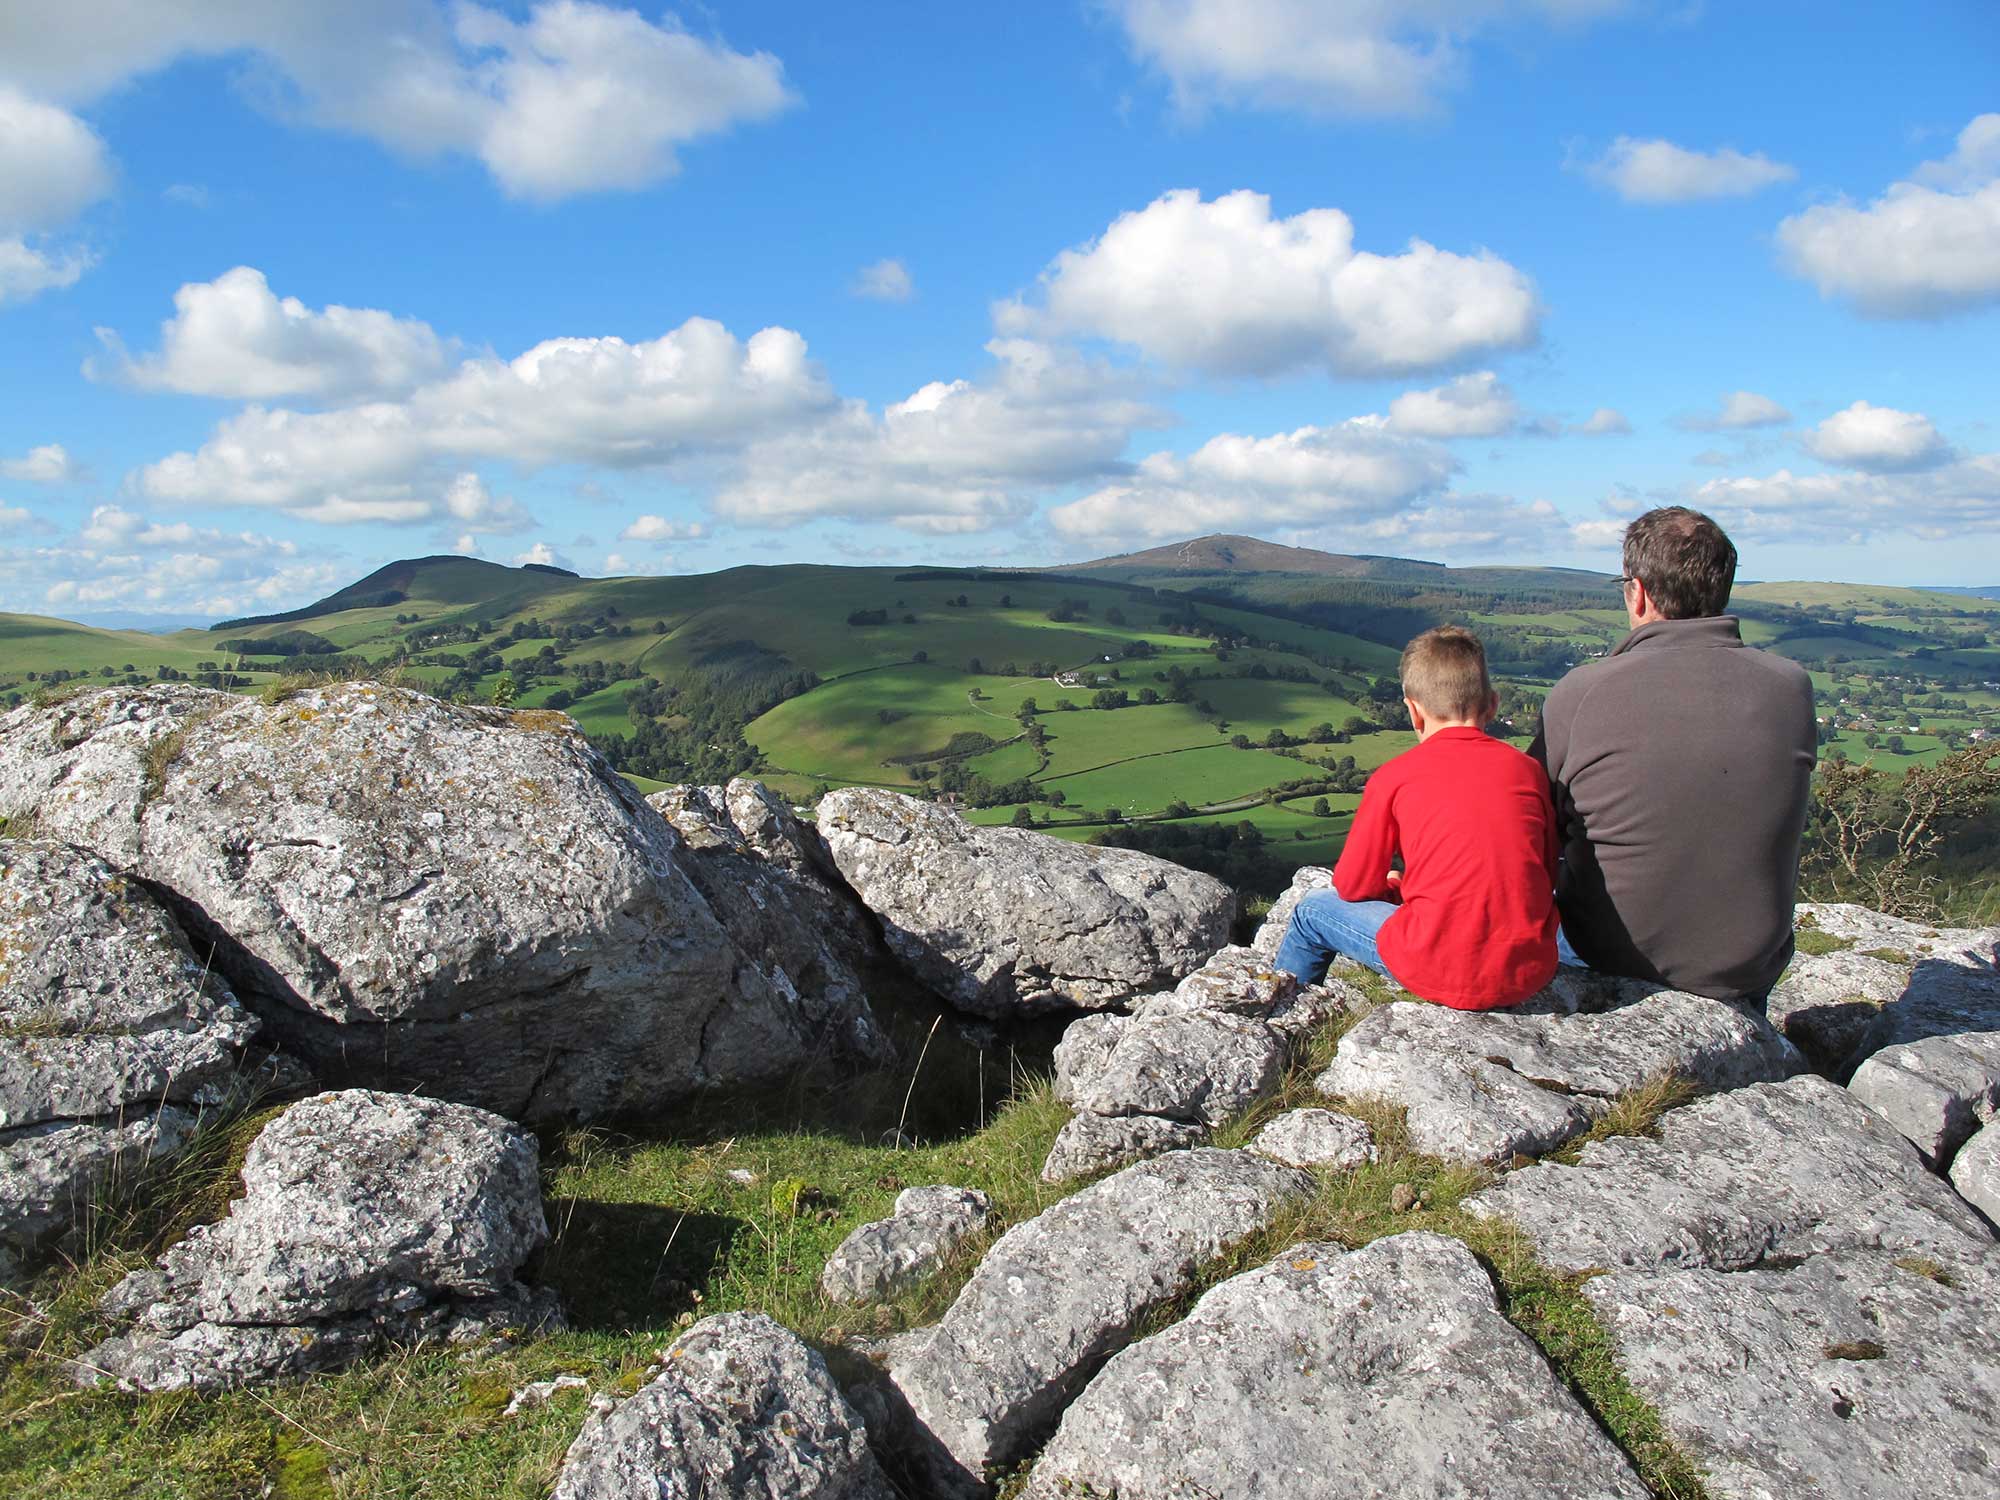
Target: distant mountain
439, 580
1223, 553
1977, 591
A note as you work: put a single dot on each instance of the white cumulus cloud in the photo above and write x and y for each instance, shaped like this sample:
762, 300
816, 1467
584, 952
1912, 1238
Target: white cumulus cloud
1926, 248
1946, 503
573, 97
660, 529
1604, 422
1471, 406
1657, 171
1322, 57
885, 281
543, 555
1224, 287
1351, 474
52, 167
1878, 438
48, 464
1739, 409
234, 337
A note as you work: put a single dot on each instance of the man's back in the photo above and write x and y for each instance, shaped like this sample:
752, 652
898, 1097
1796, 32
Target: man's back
1681, 766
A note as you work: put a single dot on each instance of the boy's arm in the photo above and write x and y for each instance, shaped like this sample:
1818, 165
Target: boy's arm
1363, 871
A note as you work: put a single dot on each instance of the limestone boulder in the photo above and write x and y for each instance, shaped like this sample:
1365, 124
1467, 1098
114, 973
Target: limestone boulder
1831, 1005
1938, 1091
1200, 1067
781, 911
1058, 1294
463, 901
1854, 1375
114, 1037
365, 1216
739, 1407
1897, 982
1386, 1371
1240, 981
1090, 1143
1271, 932
1486, 1086
1760, 1174
894, 1254
1006, 922
1319, 1138
83, 768
1975, 1172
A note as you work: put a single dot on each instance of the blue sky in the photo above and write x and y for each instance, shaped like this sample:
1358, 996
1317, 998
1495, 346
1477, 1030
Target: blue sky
289, 289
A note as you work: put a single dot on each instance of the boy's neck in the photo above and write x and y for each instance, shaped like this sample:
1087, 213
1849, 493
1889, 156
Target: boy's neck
1432, 726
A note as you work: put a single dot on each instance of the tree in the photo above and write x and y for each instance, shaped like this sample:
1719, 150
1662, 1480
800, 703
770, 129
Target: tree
1109, 698
974, 667
921, 657
1321, 808
1875, 838
1114, 815
1026, 711
503, 691
1240, 741
1149, 695
1023, 817
1006, 601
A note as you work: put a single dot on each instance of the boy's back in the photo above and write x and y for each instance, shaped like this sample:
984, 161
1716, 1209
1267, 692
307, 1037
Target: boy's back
1471, 817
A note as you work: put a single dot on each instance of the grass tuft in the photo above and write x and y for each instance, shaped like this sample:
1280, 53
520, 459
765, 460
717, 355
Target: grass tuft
1814, 943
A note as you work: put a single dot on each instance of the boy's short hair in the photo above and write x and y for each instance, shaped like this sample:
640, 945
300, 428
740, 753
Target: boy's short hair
1444, 670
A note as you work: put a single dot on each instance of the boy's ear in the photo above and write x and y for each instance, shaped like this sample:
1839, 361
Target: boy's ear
1492, 705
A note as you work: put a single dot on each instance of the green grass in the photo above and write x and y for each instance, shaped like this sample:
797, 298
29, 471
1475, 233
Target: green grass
1214, 773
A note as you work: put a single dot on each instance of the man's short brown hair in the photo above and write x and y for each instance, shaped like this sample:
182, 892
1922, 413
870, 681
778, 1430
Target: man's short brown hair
1444, 670
1685, 560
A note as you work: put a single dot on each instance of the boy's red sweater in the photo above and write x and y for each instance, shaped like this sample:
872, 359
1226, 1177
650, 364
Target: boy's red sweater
1472, 820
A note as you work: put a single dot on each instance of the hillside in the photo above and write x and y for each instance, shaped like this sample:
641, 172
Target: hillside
1213, 716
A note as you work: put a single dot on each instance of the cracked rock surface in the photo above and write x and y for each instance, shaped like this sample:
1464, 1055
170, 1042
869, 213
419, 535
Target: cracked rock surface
765, 875
1975, 1172
467, 901
365, 1216
1938, 1091
1005, 922
1848, 1376
1386, 1371
1056, 1295
740, 1407
1317, 1138
113, 1037
891, 1255
1774, 1171
1090, 1143
1485, 1086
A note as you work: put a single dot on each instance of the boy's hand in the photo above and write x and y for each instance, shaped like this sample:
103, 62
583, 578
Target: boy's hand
1395, 878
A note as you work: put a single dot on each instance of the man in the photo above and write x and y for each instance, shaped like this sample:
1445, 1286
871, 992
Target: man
1681, 765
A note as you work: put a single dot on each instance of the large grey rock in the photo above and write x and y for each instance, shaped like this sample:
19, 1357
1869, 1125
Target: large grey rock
893, 1254
1951, 984
1086, 1046
83, 769
1485, 1086
465, 901
1736, 1180
1317, 1138
1831, 1004
739, 1407
1937, 1091
1241, 981
1006, 922
1090, 1143
1271, 932
779, 908
1847, 1377
113, 1037
1390, 1371
1975, 1172
364, 1215
1056, 1295
1202, 1067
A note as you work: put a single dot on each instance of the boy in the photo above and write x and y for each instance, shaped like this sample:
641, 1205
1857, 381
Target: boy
1471, 920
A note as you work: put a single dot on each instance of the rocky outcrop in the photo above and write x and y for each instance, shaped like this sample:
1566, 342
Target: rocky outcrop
82, 769
1760, 1174
739, 1407
365, 1217
1486, 1086
1857, 1375
464, 901
1317, 1138
1387, 1371
1272, 931
783, 910
894, 1254
1975, 1172
114, 1038
1185, 1061
1895, 982
1056, 1295
1938, 1091
1006, 922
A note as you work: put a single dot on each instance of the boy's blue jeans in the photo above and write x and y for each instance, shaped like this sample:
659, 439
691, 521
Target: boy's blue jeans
1324, 924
